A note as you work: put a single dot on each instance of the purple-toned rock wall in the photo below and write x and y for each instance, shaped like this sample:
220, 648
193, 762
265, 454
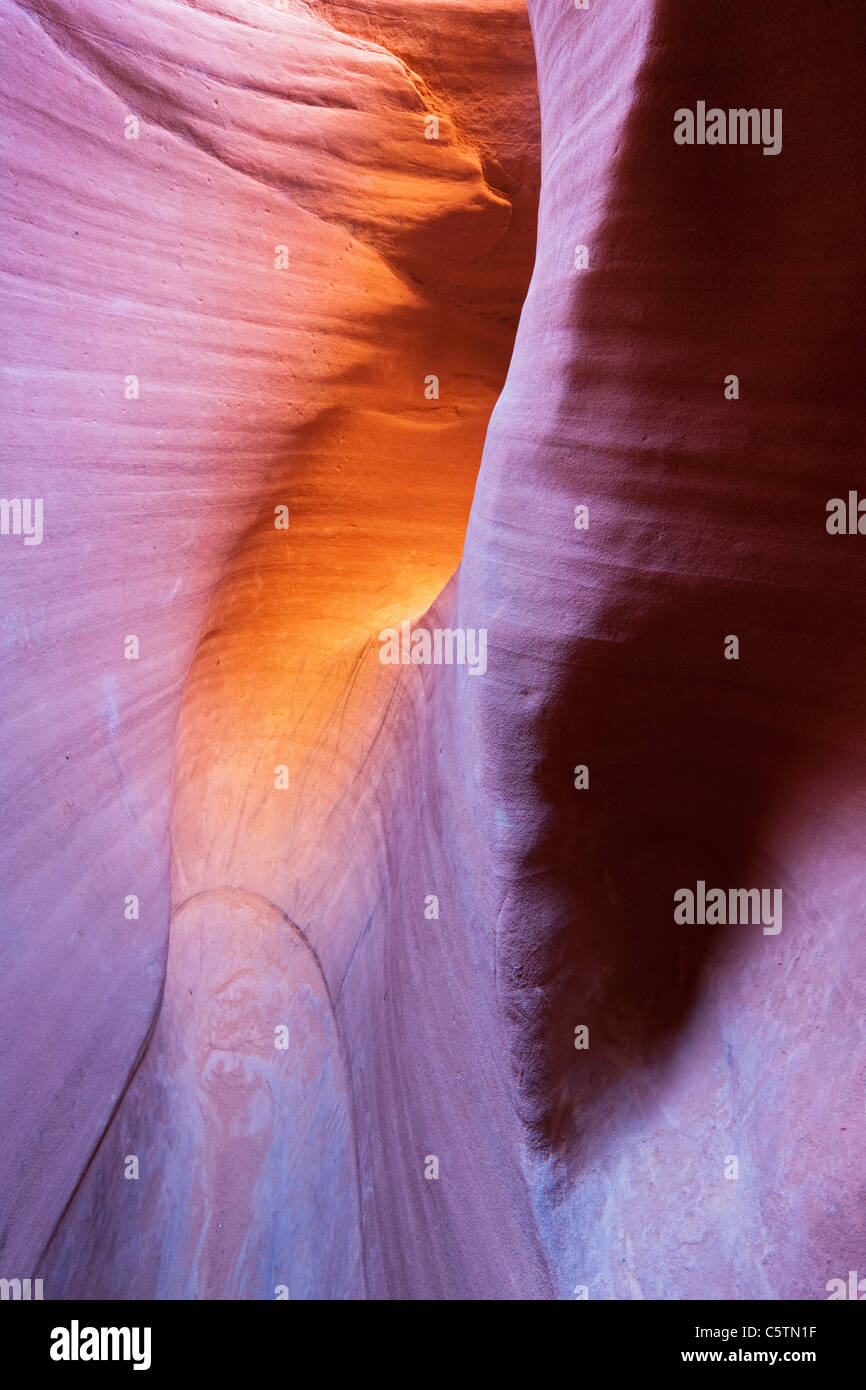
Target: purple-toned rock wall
332, 976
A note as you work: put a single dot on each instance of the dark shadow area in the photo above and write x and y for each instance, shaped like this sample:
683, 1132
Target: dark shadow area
713, 260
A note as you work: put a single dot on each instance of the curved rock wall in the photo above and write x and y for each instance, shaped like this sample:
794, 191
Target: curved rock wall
338, 1052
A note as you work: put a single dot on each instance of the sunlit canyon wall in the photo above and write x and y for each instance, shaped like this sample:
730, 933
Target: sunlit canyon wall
329, 977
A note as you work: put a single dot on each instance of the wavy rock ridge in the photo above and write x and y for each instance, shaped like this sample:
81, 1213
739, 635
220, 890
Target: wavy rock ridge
284, 260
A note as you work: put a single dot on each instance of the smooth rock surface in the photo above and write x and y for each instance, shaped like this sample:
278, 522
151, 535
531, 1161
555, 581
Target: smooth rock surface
317, 798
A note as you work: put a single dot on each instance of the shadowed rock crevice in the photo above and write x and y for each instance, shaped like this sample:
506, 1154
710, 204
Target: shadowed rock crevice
423, 899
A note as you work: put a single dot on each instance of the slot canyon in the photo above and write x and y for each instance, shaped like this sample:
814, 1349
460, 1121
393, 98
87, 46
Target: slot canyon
331, 977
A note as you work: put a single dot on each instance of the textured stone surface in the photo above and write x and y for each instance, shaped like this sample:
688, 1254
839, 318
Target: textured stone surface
305, 907
707, 519
304, 387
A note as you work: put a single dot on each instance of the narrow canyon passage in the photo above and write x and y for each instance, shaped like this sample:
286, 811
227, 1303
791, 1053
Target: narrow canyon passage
293, 739
404, 1010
